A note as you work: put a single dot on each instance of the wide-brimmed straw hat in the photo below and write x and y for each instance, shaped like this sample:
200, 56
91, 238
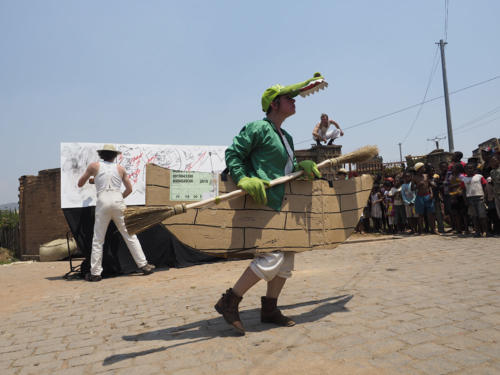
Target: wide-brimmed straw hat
418, 166
342, 170
110, 148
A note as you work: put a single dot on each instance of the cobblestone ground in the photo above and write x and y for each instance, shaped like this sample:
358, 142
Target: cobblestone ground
420, 305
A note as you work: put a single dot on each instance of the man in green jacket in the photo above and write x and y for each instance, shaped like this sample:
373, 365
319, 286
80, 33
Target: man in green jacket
263, 151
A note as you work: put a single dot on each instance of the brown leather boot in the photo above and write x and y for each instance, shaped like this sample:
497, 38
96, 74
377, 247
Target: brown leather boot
227, 306
269, 313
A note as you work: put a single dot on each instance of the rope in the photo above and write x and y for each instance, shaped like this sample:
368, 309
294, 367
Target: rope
179, 209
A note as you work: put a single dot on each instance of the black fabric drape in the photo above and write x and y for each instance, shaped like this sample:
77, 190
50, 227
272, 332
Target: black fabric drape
160, 246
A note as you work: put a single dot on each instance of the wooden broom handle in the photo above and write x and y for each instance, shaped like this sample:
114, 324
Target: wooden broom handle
276, 181
241, 192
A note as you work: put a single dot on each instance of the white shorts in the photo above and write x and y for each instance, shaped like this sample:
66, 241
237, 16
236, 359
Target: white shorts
269, 265
330, 134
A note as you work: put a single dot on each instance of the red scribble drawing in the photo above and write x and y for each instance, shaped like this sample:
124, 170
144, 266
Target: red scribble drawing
134, 176
132, 166
136, 159
190, 166
137, 171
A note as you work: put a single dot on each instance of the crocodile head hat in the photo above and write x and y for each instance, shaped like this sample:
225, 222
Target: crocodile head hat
308, 87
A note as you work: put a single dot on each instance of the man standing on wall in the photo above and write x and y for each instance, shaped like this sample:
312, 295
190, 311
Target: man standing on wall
321, 132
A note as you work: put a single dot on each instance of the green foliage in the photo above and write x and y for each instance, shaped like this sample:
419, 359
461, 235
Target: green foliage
6, 256
8, 219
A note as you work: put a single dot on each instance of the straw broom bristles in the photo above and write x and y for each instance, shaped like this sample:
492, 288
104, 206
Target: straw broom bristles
138, 219
362, 154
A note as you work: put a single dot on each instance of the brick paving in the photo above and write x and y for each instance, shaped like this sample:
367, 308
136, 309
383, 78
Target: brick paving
413, 305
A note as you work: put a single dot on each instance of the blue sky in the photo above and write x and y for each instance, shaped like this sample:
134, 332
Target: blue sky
193, 72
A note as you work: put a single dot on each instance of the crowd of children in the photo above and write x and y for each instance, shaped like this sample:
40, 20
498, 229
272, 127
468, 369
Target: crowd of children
456, 198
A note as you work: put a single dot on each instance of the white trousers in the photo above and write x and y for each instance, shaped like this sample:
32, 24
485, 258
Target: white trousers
330, 134
269, 265
110, 206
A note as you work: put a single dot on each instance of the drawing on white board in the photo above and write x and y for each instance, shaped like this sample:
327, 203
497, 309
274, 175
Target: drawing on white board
75, 157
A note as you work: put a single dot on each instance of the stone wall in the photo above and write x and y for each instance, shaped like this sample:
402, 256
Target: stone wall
40, 216
434, 158
319, 154
494, 143
437, 156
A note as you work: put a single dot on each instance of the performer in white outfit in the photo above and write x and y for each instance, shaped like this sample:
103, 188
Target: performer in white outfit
108, 178
322, 132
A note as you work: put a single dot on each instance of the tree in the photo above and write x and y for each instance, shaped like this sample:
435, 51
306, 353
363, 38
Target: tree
9, 219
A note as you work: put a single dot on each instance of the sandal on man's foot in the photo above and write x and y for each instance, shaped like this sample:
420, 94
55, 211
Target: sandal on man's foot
148, 269
90, 277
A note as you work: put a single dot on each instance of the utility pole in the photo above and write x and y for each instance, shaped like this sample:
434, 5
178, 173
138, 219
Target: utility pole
436, 139
400, 154
446, 98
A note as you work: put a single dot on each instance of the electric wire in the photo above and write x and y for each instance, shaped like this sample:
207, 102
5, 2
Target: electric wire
473, 85
431, 77
425, 102
477, 126
446, 4
411, 106
475, 120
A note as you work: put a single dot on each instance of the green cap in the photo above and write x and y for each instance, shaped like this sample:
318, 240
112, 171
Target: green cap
305, 88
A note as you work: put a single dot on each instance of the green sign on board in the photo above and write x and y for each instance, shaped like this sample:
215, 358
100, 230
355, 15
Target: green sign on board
193, 186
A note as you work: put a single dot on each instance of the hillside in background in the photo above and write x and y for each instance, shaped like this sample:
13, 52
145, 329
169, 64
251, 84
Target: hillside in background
9, 206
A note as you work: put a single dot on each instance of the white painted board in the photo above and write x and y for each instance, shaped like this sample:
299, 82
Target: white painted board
75, 157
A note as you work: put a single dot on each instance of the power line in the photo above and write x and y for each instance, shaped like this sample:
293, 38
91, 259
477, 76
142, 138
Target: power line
425, 102
431, 76
446, 3
412, 106
479, 125
479, 118
436, 141
473, 85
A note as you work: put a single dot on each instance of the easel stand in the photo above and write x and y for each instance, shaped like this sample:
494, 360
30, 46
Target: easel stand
74, 271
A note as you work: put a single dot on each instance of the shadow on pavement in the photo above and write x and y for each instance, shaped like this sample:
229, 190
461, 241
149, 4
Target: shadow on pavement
374, 239
203, 330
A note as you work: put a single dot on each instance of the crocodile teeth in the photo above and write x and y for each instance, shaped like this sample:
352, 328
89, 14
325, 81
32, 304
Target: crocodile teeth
317, 86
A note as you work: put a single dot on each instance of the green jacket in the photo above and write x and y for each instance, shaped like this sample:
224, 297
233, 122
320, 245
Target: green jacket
258, 151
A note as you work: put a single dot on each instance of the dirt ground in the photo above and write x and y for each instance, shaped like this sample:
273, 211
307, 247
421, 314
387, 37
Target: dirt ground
18, 289
23, 283
378, 304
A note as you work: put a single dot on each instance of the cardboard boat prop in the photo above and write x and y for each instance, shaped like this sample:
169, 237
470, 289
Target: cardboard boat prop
315, 215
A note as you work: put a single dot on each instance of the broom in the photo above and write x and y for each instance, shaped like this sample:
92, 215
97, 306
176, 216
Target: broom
138, 219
